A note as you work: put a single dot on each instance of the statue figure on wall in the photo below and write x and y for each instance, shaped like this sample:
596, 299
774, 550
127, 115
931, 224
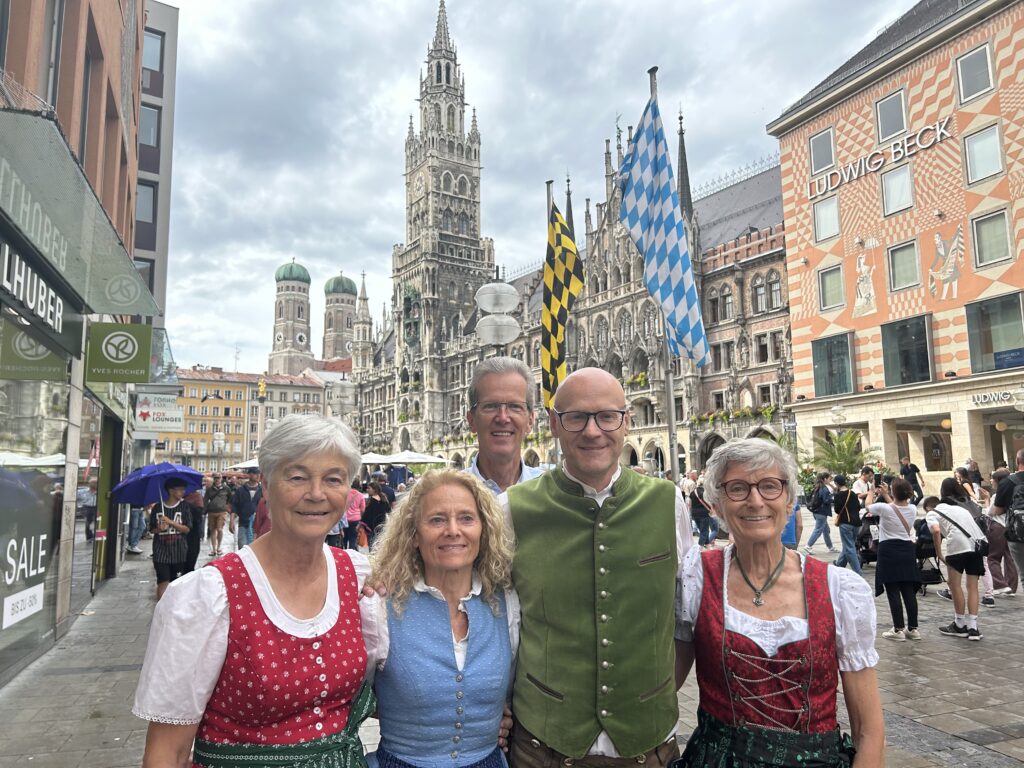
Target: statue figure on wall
864, 301
945, 267
743, 352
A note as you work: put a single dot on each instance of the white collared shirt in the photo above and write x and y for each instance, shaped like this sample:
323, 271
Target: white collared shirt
526, 472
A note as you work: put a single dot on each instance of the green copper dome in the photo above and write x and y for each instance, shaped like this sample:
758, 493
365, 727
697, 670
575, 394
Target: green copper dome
341, 284
292, 271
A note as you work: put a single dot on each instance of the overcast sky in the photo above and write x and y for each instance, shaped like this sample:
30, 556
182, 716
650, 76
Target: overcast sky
291, 120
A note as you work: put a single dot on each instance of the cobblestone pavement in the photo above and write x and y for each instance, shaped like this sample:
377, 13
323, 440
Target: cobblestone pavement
948, 702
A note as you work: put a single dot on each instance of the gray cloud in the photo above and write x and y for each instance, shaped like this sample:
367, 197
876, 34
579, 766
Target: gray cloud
290, 126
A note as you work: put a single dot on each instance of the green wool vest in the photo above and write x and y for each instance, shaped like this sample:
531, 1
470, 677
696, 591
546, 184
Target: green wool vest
597, 587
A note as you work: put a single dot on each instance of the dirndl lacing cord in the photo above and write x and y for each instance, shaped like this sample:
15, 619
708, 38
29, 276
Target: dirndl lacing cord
780, 671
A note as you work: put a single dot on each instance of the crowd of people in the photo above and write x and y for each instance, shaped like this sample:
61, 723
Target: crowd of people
506, 615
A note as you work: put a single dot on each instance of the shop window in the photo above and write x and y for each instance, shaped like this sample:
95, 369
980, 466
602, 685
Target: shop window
833, 369
826, 219
830, 288
903, 266
983, 154
891, 116
822, 155
974, 73
995, 333
906, 351
897, 190
991, 239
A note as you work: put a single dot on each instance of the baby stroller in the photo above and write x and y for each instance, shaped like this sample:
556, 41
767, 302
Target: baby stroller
867, 540
927, 558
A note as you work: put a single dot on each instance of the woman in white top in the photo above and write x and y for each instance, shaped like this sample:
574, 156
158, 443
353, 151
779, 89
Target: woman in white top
261, 657
950, 520
896, 571
772, 632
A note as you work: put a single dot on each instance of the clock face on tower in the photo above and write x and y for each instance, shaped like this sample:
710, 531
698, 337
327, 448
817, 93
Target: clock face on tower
348, 346
300, 337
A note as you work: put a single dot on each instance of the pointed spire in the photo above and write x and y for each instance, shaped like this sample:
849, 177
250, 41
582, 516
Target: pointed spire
588, 222
441, 38
609, 174
683, 175
362, 288
568, 208
412, 134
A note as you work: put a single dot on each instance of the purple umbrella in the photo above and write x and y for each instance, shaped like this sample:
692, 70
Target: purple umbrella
146, 484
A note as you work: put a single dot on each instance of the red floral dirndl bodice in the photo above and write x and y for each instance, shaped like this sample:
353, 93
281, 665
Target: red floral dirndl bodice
276, 688
740, 685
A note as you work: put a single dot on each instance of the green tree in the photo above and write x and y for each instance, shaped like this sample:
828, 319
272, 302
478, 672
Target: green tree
842, 453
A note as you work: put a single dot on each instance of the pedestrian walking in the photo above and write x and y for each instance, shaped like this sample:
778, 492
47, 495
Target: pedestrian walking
847, 509
950, 520
356, 505
171, 521
217, 503
243, 509
820, 504
912, 474
1005, 578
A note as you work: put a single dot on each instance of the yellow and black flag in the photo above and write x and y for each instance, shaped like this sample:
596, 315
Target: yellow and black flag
563, 281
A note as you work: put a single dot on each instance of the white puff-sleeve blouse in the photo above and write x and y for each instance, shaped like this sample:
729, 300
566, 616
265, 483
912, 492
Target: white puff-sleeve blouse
852, 602
188, 638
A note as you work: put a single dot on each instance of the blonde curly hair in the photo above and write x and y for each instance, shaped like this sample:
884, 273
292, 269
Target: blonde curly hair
397, 562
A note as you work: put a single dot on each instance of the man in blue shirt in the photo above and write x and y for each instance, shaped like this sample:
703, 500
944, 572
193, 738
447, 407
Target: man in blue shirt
501, 414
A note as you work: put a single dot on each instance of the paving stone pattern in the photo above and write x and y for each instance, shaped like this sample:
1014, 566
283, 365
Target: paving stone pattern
947, 701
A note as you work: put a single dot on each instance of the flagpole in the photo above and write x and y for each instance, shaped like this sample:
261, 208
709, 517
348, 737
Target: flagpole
670, 384
551, 200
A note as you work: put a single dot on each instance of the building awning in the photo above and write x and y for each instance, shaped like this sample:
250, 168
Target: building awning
45, 195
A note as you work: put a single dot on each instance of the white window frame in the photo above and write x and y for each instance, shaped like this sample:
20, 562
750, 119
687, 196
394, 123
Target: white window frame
999, 153
974, 238
878, 116
810, 151
893, 288
833, 199
821, 292
905, 168
959, 73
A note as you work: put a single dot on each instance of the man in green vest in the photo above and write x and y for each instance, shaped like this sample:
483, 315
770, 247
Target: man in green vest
597, 553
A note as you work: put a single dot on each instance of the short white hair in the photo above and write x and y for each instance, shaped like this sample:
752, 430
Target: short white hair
753, 454
299, 435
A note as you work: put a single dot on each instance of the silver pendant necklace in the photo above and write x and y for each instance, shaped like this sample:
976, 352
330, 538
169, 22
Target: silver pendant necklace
758, 593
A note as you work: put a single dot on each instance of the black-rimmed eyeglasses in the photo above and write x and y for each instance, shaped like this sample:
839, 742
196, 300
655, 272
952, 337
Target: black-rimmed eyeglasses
769, 488
576, 421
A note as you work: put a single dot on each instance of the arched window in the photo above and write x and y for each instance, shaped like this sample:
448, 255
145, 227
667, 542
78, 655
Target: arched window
301, 313
451, 120
280, 309
463, 224
625, 327
714, 313
446, 183
759, 300
626, 276
330, 322
446, 221
595, 286
601, 334
774, 290
616, 277
463, 184
437, 71
437, 112
725, 305
448, 74
348, 322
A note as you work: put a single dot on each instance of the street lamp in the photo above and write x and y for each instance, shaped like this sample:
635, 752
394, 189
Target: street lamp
187, 449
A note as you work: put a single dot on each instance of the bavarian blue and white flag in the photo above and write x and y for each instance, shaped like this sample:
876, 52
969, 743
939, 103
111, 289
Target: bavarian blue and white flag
650, 211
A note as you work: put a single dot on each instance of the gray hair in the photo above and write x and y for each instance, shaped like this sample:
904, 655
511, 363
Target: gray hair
500, 365
753, 454
299, 435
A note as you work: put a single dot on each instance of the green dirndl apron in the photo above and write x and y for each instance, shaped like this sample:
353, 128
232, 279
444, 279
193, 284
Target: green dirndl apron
339, 750
717, 745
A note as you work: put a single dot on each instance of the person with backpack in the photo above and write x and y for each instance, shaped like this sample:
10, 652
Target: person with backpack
820, 504
1009, 503
847, 509
952, 521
